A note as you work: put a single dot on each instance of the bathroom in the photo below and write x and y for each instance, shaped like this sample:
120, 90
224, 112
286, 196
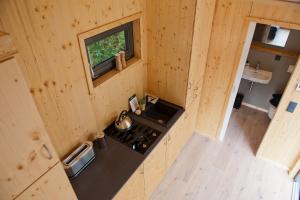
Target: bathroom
281, 64
268, 59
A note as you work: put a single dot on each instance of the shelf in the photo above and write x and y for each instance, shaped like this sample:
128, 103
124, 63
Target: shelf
273, 50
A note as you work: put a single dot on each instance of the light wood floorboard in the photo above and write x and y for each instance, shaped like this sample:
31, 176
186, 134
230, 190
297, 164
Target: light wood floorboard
213, 170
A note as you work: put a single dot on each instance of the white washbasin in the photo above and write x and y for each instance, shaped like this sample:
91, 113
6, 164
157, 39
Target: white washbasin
258, 76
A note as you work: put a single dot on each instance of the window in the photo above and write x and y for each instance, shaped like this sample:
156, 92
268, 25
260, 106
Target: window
101, 48
99, 45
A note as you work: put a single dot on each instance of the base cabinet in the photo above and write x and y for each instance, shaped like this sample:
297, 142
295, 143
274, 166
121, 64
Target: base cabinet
145, 180
175, 142
52, 185
134, 189
155, 167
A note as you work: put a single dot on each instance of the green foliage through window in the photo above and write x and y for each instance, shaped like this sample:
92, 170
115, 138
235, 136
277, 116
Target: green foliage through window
106, 48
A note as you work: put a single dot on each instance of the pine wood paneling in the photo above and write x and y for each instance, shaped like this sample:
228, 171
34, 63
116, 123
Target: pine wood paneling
181, 132
201, 36
170, 32
53, 185
281, 143
112, 96
134, 188
24, 139
46, 37
155, 167
276, 10
223, 56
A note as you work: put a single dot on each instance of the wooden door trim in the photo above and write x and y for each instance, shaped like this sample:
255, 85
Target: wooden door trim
274, 22
293, 172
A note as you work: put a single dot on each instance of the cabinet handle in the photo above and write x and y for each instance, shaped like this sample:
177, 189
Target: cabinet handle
189, 85
48, 151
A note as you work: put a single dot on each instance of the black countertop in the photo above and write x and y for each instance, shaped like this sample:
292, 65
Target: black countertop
114, 165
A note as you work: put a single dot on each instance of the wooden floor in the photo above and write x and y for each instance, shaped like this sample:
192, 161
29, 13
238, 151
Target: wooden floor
211, 170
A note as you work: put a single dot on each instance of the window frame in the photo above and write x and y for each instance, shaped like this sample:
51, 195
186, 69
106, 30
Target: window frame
110, 64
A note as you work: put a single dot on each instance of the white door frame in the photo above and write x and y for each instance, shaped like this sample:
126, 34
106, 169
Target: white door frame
238, 78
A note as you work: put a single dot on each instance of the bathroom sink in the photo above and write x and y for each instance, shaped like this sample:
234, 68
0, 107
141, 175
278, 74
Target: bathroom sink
258, 76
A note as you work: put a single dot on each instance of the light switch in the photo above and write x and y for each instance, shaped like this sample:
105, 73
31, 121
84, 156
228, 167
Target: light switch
291, 107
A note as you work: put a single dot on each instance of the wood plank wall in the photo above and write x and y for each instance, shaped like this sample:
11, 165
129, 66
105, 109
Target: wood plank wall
201, 36
45, 33
225, 42
46, 36
170, 31
229, 26
276, 10
281, 143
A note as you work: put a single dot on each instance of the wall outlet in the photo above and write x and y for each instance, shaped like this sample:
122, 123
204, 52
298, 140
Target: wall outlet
291, 107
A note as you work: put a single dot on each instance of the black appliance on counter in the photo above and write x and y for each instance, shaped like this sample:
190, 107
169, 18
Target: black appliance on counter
139, 137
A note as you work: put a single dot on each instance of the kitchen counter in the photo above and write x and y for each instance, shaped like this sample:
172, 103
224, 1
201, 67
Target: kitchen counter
113, 165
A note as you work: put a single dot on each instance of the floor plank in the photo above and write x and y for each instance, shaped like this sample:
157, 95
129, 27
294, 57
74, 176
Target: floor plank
228, 170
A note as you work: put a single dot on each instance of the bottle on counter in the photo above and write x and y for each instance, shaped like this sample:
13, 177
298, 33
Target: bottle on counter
100, 140
119, 65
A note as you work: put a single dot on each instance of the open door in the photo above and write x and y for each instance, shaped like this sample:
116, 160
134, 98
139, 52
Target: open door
281, 141
295, 170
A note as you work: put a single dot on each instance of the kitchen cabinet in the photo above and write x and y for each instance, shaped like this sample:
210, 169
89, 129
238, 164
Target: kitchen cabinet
175, 141
155, 167
26, 151
179, 134
53, 185
161, 158
134, 188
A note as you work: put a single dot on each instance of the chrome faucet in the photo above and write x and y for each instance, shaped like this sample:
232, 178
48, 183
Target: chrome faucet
257, 66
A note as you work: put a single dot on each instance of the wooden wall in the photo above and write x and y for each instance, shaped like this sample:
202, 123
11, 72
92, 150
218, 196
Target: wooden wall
45, 33
281, 143
223, 54
170, 31
276, 10
201, 36
229, 26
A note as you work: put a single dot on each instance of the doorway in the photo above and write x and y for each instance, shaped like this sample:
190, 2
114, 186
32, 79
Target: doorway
261, 55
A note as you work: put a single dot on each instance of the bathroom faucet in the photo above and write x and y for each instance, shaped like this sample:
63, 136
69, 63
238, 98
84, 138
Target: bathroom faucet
257, 66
